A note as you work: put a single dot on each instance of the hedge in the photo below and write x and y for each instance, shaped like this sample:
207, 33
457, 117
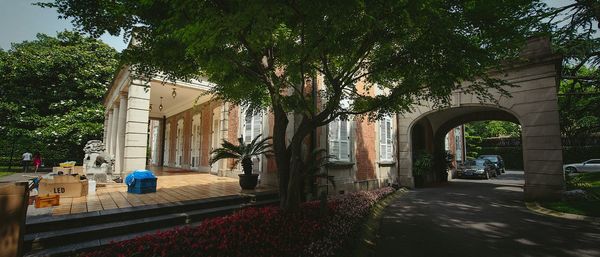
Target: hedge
513, 155
260, 232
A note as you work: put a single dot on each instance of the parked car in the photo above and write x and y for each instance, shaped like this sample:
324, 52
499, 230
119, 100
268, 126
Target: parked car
481, 168
592, 165
496, 160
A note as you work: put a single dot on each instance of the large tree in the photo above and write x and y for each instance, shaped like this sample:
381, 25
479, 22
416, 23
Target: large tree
575, 34
260, 53
51, 92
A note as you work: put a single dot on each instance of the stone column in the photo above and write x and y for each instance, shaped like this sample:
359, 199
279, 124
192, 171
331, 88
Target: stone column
108, 130
120, 136
136, 126
403, 152
113, 133
105, 128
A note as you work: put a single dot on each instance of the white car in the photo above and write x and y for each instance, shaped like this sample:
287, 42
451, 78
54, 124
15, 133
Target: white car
592, 165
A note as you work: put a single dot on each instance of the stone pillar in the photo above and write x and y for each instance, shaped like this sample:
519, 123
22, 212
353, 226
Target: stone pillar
403, 152
113, 132
120, 136
105, 128
136, 126
107, 131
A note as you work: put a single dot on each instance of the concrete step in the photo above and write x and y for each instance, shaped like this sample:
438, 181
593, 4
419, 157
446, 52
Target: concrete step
63, 241
53, 223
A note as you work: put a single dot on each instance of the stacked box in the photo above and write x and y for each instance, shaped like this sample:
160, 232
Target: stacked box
43, 201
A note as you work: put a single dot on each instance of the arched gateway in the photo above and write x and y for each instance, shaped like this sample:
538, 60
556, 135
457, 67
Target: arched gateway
533, 104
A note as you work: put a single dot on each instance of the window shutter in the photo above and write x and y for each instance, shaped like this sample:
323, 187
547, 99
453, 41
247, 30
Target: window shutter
344, 140
334, 143
247, 126
256, 125
385, 138
390, 144
382, 138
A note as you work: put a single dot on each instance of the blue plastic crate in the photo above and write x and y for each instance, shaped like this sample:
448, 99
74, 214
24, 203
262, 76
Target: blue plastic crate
142, 186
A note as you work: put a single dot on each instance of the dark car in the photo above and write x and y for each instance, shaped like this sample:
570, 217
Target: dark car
496, 161
480, 168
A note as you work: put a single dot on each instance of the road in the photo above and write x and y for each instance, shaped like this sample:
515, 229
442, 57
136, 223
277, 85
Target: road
479, 218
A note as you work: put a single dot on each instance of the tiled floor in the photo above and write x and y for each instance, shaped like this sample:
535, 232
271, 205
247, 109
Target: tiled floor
173, 186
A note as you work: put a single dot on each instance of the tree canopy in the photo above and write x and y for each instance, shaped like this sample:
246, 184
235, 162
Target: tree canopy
493, 128
261, 53
575, 35
51, 92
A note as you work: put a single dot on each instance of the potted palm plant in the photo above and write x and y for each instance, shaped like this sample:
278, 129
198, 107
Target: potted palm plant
243, 153
421, 166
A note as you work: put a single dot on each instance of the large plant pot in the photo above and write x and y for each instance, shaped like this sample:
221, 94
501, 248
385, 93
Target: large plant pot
248, 181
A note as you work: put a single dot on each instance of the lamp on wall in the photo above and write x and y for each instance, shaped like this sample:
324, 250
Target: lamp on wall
174, 94
160, 107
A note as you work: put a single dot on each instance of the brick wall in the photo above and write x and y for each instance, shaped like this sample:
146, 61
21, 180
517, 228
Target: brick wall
366, 157
233, 129
366, 142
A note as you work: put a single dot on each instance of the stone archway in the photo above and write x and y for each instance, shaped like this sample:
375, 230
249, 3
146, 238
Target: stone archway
533, 104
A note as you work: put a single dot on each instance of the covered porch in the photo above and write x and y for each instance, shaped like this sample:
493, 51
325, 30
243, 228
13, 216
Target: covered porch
159, 123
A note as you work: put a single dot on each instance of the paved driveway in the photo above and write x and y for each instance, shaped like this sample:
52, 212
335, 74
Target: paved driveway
480, 218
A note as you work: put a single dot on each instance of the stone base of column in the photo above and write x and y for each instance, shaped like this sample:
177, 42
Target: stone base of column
542, 192
406, 181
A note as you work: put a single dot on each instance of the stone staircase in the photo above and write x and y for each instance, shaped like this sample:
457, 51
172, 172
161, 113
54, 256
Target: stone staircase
70, 234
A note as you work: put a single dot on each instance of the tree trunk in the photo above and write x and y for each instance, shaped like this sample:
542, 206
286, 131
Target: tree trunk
281, 154
294, 191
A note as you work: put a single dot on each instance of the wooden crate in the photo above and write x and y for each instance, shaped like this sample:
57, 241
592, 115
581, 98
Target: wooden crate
43, 201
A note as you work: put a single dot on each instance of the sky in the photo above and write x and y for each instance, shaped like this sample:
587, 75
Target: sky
20, 20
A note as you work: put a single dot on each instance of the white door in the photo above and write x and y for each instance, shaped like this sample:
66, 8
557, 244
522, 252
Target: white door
196, 141
154, 147
179, 146
252, 127
216, 137
167, 145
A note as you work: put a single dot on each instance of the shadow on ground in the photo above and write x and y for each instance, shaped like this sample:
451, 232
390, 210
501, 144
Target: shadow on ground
480, 218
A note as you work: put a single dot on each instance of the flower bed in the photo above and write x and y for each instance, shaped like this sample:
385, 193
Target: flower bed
261, 232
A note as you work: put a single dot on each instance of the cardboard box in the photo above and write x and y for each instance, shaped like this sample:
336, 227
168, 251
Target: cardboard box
13, 197
69, 170
42, 201
65, 186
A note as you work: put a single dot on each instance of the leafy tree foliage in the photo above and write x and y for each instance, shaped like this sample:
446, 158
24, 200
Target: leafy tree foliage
579, 103
575, 35
493, 128
51, 92
261, 53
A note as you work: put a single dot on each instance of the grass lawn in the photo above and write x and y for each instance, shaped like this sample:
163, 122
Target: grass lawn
5, 173
590, 182
583, 207
12, 169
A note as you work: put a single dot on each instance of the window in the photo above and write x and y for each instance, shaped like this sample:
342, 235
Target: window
385, 139
339, 139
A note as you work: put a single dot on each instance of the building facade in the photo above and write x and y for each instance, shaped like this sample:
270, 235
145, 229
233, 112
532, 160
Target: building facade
154, 123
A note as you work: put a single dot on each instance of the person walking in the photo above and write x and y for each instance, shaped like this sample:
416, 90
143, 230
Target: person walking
37, 161
26, 161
